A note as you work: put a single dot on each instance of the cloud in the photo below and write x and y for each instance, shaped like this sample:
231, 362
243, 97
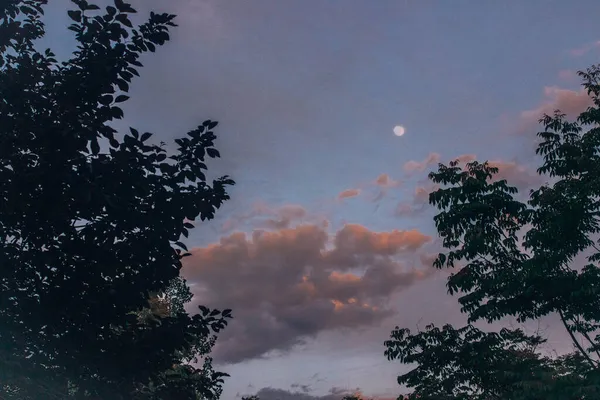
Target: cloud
419, 202
520, 176
517, 175
288, 285
414, 166
465, 158
583, 50
569, 102
335, 393
567, 74
285, 216
385, 181
264, 216
349, 193
382, 184
302, 388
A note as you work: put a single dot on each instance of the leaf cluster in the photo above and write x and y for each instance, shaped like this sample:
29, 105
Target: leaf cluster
91, 218
517, 259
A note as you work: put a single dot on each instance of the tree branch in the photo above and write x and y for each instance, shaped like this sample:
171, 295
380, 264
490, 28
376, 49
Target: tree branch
575, 341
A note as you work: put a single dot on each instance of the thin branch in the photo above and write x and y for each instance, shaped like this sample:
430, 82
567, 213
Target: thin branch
594, 345
574, 339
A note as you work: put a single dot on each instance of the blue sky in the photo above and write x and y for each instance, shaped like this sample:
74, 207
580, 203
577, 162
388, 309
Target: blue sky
307, 94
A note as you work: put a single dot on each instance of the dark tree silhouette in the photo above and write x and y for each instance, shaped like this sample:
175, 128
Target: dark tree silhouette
517, 259
91, 303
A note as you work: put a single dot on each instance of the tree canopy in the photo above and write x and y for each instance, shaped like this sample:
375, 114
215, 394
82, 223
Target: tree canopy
91, 302
517, 259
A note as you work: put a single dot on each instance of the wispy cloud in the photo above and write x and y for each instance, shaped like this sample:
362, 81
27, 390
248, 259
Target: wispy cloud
416, 166
586, 48
335, 393
382, 184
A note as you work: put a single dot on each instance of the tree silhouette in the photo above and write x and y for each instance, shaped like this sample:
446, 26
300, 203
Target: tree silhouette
91, 303
517, 259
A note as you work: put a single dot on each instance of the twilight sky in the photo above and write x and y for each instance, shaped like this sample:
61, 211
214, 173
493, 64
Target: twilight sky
326, 244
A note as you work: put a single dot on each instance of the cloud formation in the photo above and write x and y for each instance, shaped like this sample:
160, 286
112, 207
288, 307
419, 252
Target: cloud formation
267, 217
583, 50
517, 175
418, 203
416, 166
569, 102
520, 176
382, 184
349, 193
335, 393
288, 285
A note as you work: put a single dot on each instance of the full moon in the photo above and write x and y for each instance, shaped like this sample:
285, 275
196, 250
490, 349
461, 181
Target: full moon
399, 130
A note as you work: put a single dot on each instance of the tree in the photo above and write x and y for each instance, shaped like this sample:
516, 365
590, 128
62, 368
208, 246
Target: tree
517, 259
91, 303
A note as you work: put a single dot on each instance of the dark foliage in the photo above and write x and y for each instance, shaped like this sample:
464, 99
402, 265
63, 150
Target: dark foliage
90, 219
516, 259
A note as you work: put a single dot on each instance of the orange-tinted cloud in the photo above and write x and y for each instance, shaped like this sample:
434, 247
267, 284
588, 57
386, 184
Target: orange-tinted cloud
517, 175
520, 176
348, 193
569, 102
383, 183
414, 166
288, 285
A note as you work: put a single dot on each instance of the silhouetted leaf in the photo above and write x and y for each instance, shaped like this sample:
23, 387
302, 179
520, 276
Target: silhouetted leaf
74, 15
91, 300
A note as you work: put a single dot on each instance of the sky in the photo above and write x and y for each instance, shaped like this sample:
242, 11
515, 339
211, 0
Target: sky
327, 241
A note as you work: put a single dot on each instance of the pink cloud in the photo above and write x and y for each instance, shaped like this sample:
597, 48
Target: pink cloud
520, 176
414, 166
569, 102
418, 203
583, 50
567, 75
288, 285
349, 193
383, 183
517, 175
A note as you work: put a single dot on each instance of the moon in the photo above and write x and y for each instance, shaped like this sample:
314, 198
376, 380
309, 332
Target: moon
399, 130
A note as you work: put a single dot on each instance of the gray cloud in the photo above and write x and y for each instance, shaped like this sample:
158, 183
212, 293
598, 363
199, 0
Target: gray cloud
264, 216
269, 393
289, 285
335, 393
